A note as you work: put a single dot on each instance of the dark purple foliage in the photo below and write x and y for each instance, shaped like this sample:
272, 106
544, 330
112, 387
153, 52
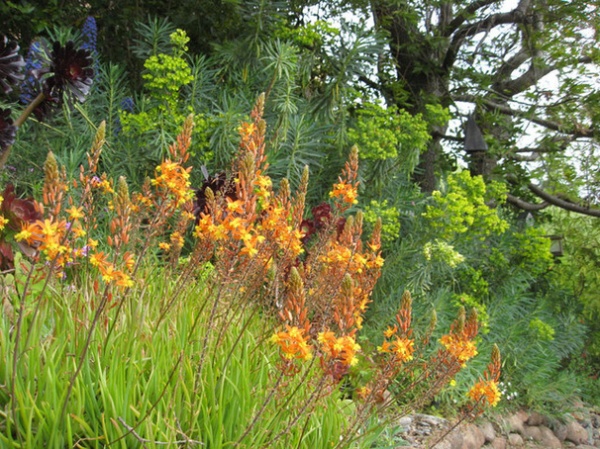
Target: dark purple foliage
8, 130
11, 64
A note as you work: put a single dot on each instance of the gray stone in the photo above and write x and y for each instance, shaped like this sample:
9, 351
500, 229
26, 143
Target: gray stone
405, 422
435, 421
576, 433
514, 423
473, 437
548, 439
536, 419
444, 444
532, 433
499, 443
560, 430
515, 440
454, 439
488, 431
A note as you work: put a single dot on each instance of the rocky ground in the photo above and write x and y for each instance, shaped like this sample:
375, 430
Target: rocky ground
523, 430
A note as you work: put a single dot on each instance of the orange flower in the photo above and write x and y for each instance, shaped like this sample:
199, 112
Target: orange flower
75, 213
402, 348
99, 260
343, 349
346, 192
123, 279
175, 180
293, 344
177, 239
30, 232
461, 348
486, 390
164, 246
390, 331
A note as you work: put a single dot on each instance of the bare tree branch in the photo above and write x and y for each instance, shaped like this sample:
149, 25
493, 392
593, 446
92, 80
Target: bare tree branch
563, 204
531, 158
512, 64
464, 14
517, 15
521, 204
576, 131
529, 78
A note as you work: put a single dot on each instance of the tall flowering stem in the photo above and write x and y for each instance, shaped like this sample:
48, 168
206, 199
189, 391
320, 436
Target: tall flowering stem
345, 191
486, 392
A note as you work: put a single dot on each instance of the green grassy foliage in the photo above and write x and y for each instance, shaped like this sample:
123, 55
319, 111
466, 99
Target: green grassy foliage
159, 371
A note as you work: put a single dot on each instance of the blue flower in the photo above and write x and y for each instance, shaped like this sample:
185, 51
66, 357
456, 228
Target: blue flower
37, 57
127, 104
89, 35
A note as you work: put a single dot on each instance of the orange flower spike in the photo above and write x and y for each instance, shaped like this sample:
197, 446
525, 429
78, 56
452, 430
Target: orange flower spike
345, 192
495, 365
300, 199
346, 306
129, 260
375, 241
471, 325
403, 318
295, 304
54, 185
179, 149
94, 155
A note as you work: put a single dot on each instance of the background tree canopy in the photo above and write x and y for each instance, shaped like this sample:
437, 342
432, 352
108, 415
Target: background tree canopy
398, 79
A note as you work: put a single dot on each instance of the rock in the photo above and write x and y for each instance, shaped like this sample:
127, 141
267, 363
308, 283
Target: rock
548, 439
576, 433
536, 419
473, 437
499, 443
405, 422
488, 431
455, 438
515, 440
560, 430
434, 421
444, 444
532, 433
514, 423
